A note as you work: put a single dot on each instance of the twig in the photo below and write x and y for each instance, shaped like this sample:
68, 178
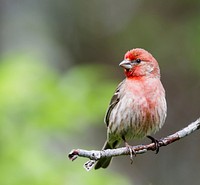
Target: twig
95, 155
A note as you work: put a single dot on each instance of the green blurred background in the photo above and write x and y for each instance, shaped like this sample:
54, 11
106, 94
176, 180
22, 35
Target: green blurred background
58, 70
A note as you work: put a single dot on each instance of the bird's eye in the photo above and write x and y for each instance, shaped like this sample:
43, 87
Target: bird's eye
138, 60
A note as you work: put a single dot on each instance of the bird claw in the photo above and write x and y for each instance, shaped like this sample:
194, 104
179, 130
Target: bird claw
132, 151
156, 142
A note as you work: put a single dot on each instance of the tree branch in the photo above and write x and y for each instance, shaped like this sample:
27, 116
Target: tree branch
95, 155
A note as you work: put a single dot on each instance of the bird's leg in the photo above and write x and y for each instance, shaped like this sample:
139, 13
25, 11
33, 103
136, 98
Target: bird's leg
131, 150
156, 142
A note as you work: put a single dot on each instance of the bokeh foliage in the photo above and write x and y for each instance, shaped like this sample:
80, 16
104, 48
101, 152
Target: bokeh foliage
58, 70
39, 110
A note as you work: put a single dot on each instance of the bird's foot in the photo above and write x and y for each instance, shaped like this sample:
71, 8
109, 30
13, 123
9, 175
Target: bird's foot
156, 142
131, 150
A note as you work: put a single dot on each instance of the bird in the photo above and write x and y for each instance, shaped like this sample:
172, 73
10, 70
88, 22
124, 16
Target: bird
138, 107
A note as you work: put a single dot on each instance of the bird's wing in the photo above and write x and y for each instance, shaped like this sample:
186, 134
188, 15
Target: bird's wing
113, 102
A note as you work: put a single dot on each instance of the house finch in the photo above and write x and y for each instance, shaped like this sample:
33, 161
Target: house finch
138, 106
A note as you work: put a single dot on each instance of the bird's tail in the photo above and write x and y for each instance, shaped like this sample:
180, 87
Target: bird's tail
104, 162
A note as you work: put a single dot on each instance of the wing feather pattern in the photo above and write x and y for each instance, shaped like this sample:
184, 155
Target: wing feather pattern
113, 102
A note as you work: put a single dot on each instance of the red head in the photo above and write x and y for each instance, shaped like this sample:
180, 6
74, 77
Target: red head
139, 62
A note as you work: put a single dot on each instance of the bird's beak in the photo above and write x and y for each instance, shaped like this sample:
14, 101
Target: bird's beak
126, 64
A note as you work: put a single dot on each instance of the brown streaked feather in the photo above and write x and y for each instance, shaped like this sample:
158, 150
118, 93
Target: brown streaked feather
113, 102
